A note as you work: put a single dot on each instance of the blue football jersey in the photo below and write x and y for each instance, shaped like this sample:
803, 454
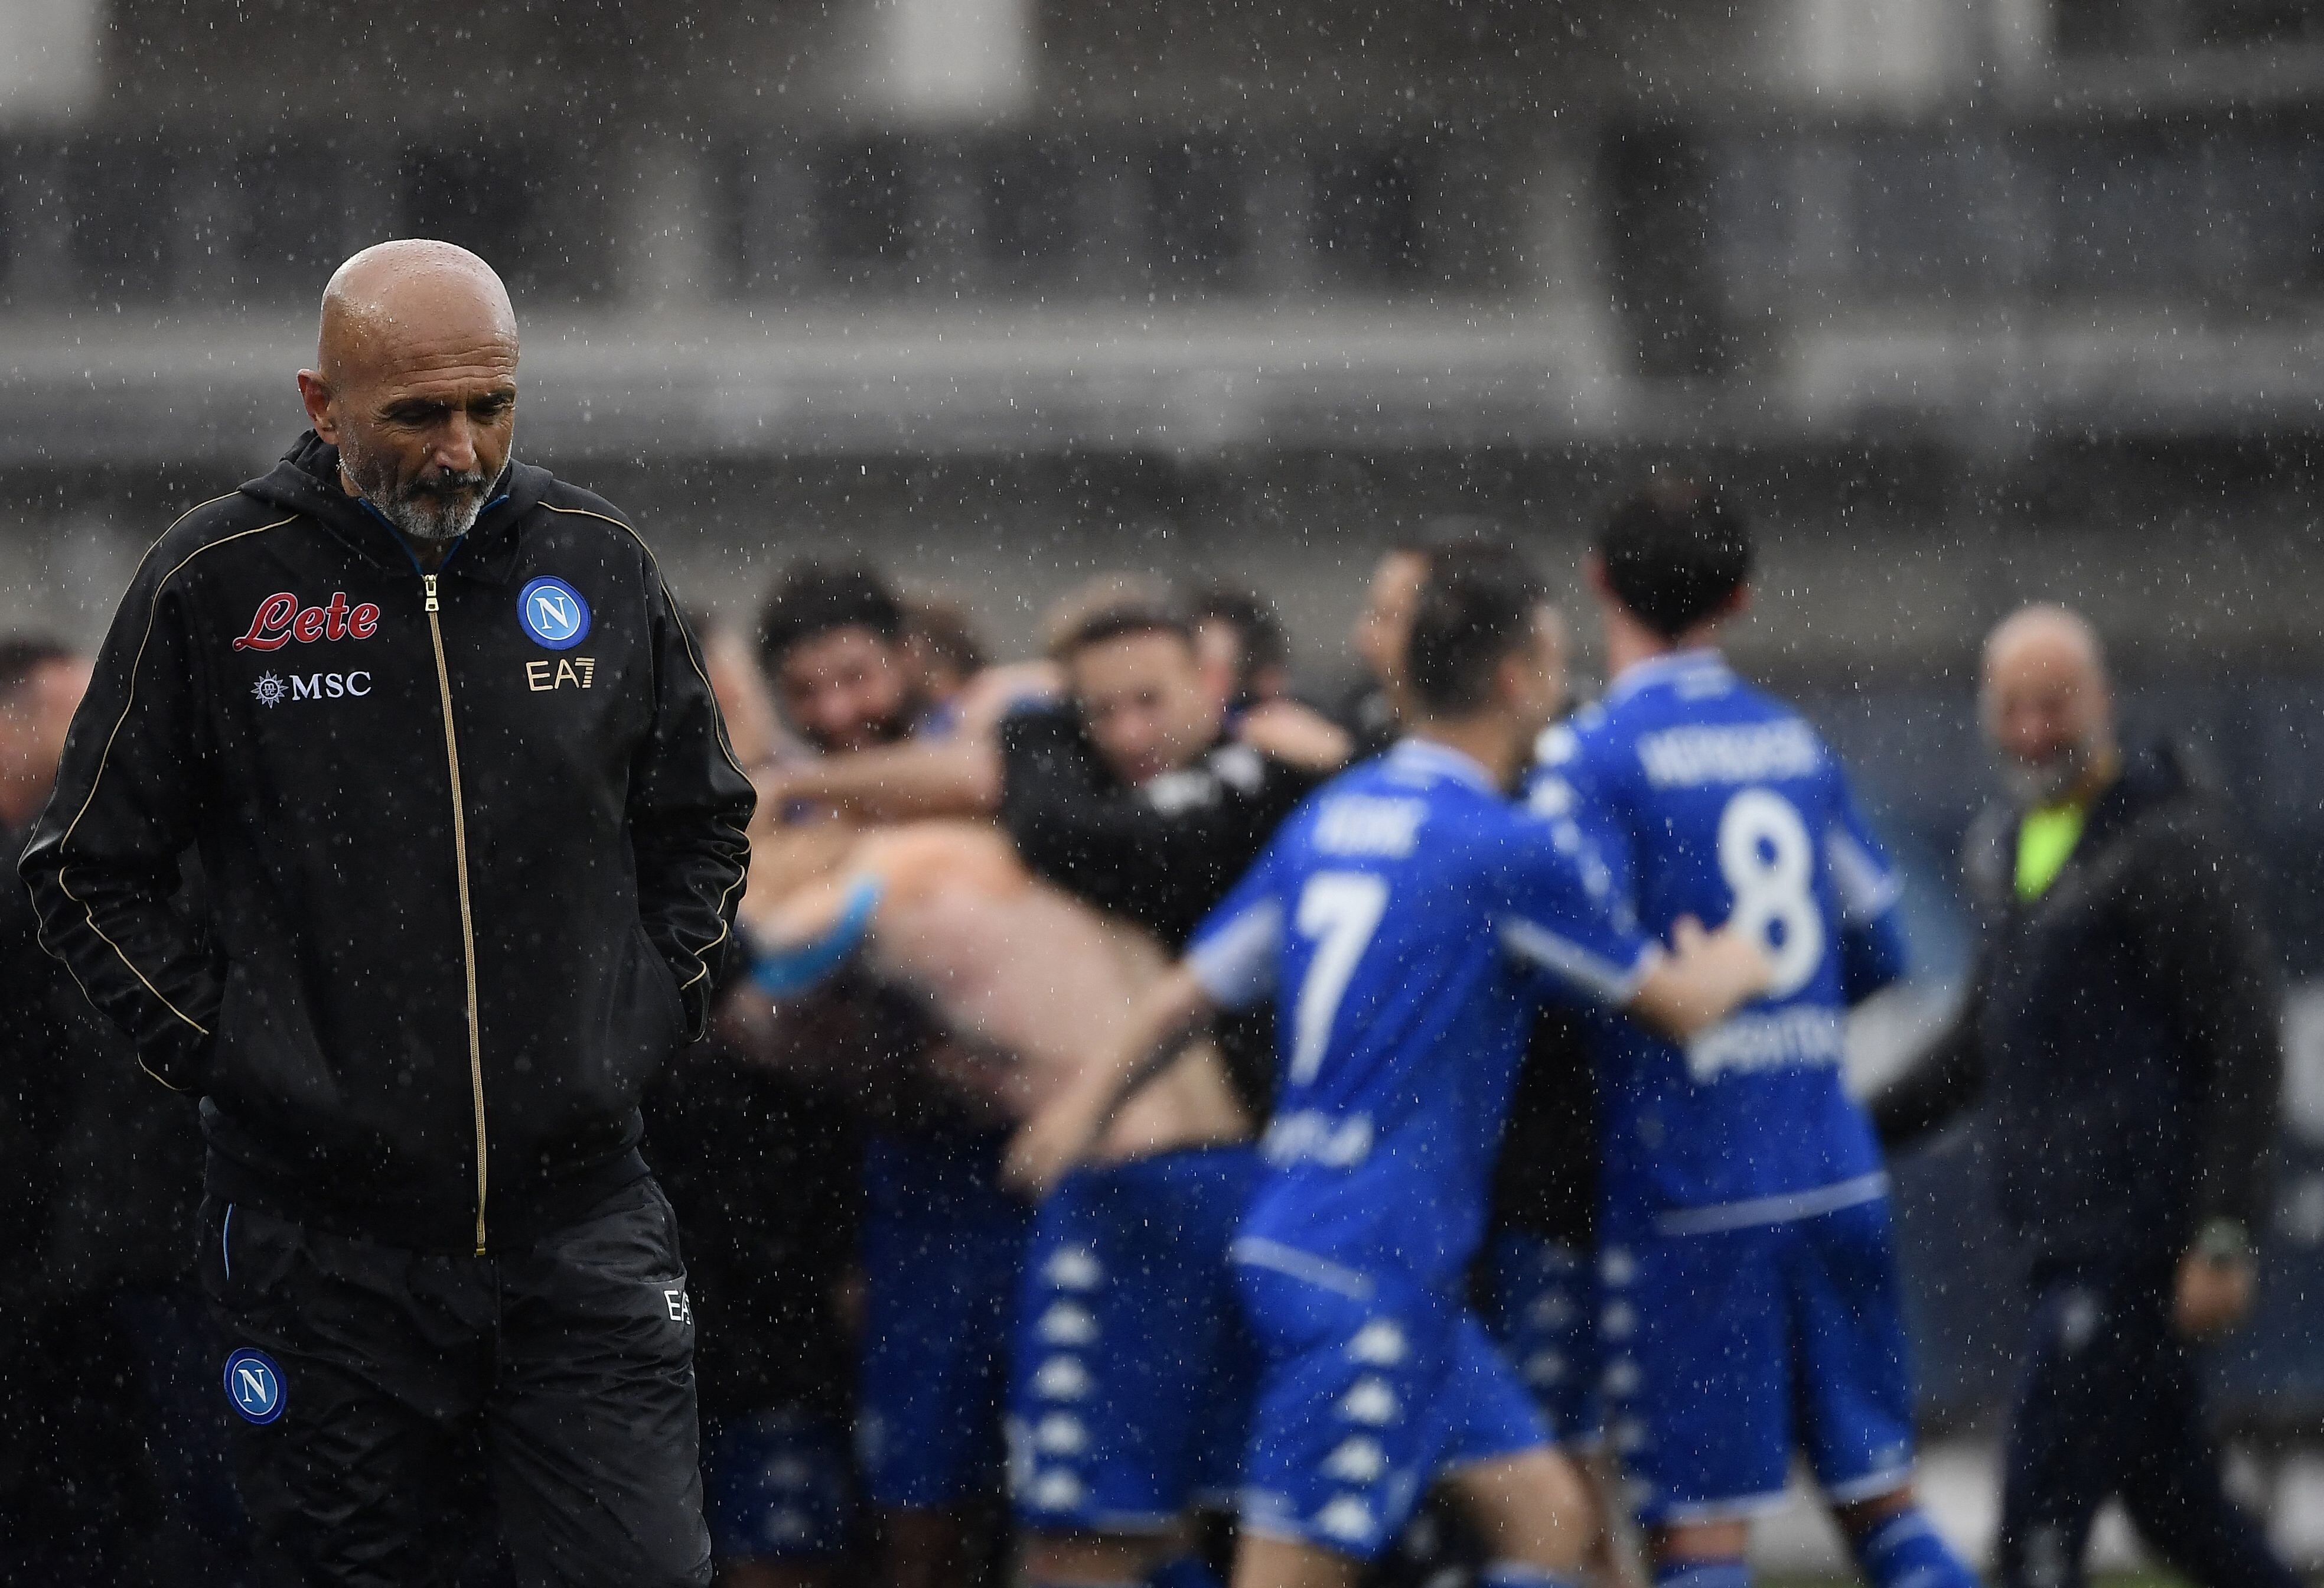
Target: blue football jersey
1401, 919
1706, 797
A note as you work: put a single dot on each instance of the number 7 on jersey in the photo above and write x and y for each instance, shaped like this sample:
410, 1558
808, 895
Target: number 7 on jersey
1340, 911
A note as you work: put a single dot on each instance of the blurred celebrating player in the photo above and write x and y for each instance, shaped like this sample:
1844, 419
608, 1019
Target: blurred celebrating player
1750, 1298
1400, 918
1127, 796
941, 1243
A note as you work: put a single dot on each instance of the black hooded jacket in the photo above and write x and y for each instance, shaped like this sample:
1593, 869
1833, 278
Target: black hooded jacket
473, 842
2123, 1025
1160, 855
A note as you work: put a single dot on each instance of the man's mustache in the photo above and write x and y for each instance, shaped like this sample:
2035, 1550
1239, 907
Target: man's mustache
449, 484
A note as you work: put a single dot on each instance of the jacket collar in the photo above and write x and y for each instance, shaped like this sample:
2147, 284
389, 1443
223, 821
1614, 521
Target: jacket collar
2154, 772
306, 481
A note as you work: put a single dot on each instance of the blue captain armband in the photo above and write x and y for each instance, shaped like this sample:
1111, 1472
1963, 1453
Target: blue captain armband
801, 965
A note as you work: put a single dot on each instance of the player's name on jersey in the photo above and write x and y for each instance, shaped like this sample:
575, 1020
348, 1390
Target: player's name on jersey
1308, 1136
1364, 823
1777, 1039
1745, 752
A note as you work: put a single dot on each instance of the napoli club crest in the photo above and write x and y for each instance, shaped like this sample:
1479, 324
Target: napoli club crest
553, 613
254, 1384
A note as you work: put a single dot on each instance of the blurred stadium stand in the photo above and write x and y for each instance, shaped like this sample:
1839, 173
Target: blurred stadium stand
1987, 294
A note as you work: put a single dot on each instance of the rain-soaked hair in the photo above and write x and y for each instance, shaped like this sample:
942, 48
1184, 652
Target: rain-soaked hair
1476, 608
942, 628
1257, 627
1675, 553
811, 599
1110, 607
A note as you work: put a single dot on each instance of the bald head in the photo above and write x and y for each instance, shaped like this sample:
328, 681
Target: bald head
415, 383
2047, 704
2048, 639
399, 302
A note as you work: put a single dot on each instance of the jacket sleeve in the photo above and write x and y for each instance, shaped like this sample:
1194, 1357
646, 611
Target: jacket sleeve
1050, 808
1941, 1082
1111, 848
103, 862
2194, 916
689, 817
1161, 856
1948, 1076
1873, 954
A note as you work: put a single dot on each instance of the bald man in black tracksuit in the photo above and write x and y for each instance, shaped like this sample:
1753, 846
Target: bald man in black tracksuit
457, 919
472, 837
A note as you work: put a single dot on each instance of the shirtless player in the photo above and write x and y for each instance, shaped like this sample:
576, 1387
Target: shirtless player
1128, 1385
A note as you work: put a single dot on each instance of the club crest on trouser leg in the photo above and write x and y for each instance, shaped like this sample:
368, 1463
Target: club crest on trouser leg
254, 1384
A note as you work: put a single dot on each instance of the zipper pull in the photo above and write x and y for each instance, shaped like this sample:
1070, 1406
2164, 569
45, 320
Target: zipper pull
430, 579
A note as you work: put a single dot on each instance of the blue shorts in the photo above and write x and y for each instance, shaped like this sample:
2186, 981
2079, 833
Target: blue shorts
1726, 1351
1370, 1388
1131, 1383
1541, 1304
775, 1486
943, 1248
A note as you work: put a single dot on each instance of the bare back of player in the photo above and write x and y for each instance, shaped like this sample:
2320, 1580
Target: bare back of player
1023, 972
1016, 967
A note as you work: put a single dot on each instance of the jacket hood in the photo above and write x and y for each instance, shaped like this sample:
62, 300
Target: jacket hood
2154, 772
2159, 777
306, 481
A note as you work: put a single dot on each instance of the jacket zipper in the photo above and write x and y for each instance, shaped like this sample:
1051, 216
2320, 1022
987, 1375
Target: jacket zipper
467, 916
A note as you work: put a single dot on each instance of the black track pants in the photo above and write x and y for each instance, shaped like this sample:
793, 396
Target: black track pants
2112, 1403
414, 1396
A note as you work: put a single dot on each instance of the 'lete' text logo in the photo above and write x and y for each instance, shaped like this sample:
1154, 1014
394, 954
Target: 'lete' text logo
281, 620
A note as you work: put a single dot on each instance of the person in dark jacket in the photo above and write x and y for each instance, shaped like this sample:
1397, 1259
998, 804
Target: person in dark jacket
1133, 793
472, 838
2122, 1024
939, 1240
1141, 795
764, 1171
1371, 711
40, 682
121, 1476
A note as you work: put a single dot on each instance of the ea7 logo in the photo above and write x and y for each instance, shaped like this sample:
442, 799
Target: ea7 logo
575, 671
680, 1304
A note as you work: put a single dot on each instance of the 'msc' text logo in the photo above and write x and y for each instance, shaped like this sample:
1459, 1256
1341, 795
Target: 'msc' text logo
271, 690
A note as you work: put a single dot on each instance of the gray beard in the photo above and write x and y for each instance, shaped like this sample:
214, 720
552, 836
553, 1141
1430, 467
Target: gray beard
2035, 787
430, 516
426, 516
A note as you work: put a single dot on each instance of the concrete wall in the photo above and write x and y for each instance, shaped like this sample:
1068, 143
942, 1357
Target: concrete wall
1882, 565
1818, 243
